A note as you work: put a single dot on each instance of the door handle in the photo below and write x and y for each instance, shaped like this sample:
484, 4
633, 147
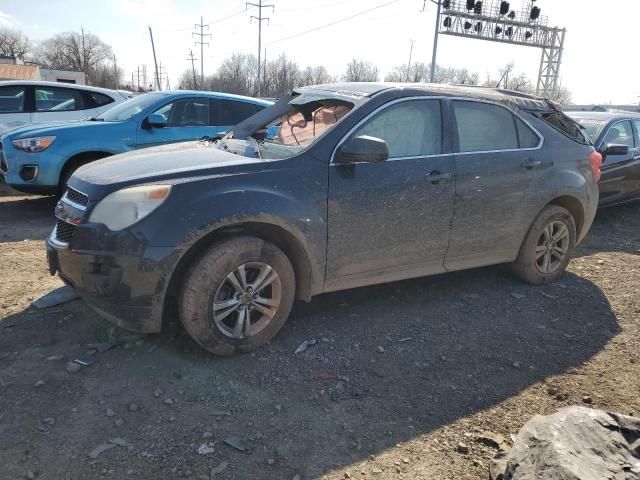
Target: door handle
530, 164
435, 177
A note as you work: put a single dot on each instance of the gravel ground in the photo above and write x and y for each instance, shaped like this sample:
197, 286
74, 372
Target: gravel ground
402, 380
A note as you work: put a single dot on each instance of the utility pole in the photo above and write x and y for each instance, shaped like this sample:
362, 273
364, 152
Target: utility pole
138, 85
144, 77
84, 55
260, 19
432, 75
202, 43
115, 71
409, 64
155, 61
193, 69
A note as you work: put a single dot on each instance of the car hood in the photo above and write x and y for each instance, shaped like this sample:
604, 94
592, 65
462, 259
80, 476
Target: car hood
165, 163
55, 128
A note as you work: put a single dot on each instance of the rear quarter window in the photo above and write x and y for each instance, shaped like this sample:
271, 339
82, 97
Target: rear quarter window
565, 125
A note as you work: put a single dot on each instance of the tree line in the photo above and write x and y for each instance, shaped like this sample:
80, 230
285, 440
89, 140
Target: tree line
79, 51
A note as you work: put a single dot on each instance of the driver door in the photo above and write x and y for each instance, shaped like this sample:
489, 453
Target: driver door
391, 220
187, 119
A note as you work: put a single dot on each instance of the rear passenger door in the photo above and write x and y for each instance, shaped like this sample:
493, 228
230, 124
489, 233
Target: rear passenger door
618, 171
499, 165
187, 119
13, 107
227, 113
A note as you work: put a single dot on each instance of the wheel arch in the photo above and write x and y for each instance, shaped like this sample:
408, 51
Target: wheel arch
574, 207
79, 159
280, 237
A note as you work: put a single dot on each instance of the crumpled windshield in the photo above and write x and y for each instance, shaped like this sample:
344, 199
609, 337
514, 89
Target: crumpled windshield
129, 108
288, 134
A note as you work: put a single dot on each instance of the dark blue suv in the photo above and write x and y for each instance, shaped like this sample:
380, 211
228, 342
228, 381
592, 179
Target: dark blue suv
333, 187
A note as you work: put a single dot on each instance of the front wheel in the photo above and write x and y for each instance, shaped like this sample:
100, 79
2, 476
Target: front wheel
547, 248
238, 295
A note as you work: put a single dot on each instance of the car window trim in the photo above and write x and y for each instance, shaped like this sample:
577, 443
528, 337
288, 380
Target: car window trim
541, 138
620, 120
443, 100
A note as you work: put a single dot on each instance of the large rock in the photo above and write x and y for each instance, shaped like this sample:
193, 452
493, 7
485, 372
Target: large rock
576, 443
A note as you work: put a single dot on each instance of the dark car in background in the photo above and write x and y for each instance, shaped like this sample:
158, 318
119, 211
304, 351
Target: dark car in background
363, 183
616, 136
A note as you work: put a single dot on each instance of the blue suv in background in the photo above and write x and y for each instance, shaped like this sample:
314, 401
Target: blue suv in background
40, 158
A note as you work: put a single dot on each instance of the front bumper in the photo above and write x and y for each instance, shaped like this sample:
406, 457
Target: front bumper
126, 284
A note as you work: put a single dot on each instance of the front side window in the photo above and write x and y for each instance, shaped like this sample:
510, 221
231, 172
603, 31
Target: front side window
637, 125
186, 113
411, 129
52, 99
620, 134
12, 99
231, 112
484, 127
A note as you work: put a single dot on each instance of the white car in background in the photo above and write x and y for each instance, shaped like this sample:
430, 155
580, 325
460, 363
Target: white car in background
26, 102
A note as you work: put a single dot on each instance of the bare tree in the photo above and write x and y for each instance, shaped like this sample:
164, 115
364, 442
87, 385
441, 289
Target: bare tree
237, 75
315, 76
361, 71
282, 75
186, 81
421, 72
75, 51
14, 44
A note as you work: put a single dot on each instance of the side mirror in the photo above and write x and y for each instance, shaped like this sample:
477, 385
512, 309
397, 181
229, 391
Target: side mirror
155, 120
616, 149
362, 149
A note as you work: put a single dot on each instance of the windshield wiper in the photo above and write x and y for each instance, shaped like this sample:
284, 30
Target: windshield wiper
95, 119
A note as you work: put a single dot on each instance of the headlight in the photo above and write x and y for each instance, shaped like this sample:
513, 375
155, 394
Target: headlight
125, 207
33, 144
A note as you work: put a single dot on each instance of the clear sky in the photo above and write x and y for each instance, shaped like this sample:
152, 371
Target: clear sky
600, 61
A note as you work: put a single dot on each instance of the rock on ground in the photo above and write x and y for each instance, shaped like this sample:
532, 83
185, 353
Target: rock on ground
576, 443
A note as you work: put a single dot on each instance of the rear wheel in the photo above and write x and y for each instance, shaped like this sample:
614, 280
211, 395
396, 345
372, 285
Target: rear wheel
547, 248
237, 296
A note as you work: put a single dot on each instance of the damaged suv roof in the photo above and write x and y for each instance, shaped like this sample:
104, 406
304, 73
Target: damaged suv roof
369, 89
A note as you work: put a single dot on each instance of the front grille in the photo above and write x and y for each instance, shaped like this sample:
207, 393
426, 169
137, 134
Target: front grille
64, 231
77, 197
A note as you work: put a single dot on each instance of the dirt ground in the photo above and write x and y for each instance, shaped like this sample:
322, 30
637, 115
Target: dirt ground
400, 376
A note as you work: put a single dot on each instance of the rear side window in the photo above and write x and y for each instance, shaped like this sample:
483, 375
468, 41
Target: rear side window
565, 125
637, 125
12, 99
52, 99
99, 99
231, 112
485, 127
527, 138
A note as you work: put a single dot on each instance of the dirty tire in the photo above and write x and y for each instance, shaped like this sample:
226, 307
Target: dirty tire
208, 276
527, 265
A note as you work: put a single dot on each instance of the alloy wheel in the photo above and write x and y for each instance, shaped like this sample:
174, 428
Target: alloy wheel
247, 300
552, 247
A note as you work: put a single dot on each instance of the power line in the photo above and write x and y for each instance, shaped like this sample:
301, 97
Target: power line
363, 12
202, 43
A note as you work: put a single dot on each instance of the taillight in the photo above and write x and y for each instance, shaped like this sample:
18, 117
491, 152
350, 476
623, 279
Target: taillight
595, 159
